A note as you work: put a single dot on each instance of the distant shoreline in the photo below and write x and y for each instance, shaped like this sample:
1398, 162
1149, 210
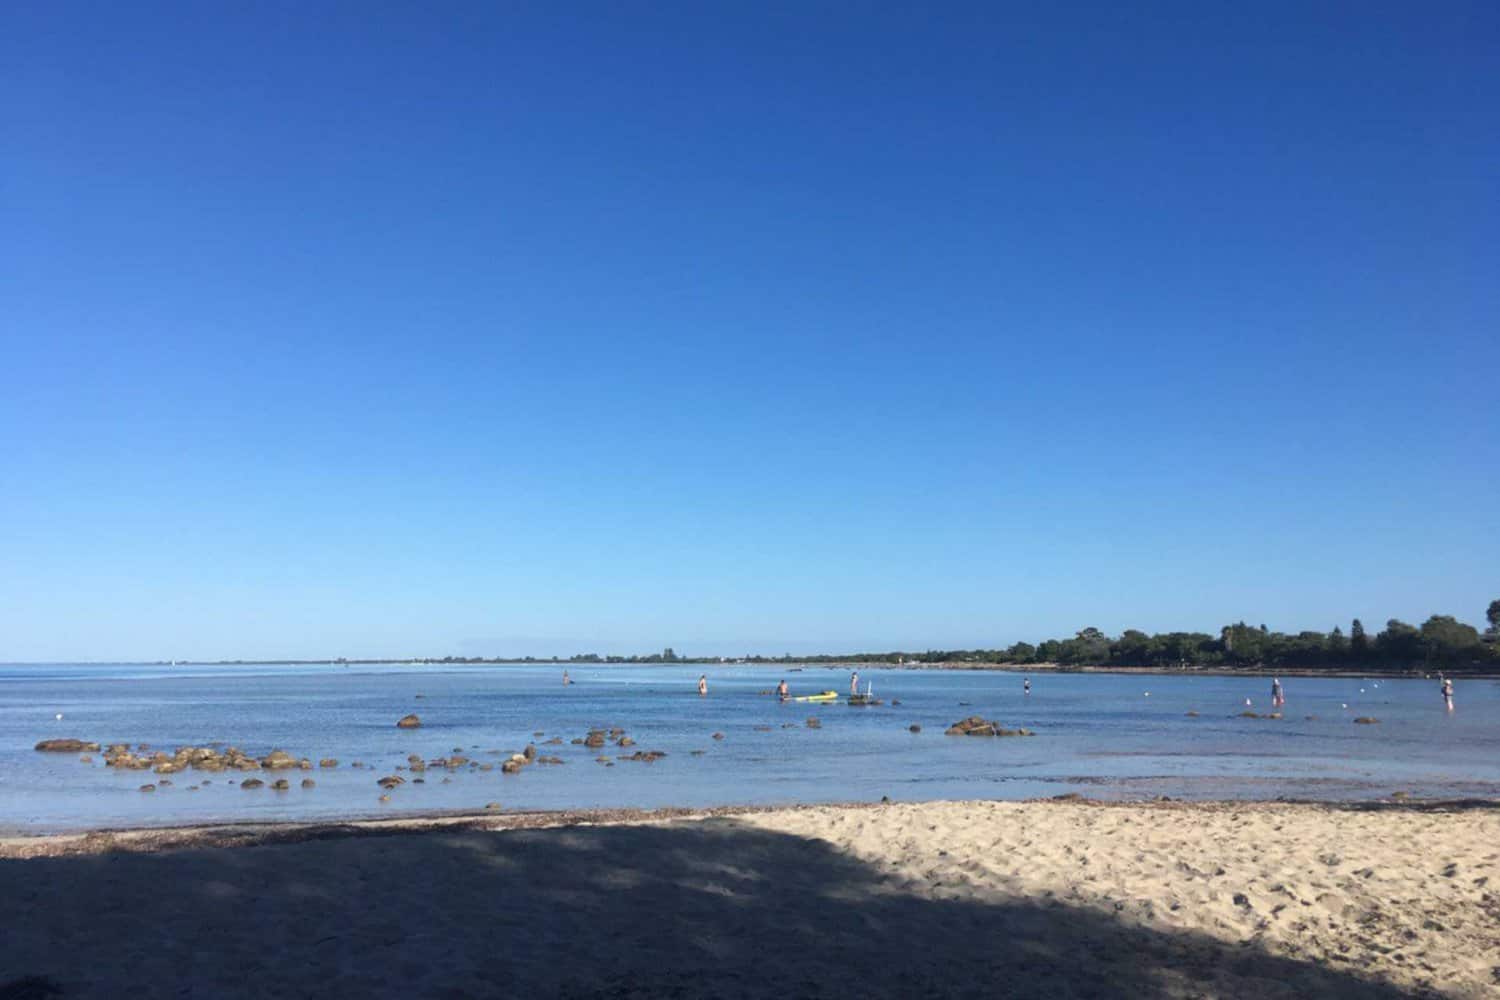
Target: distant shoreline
1013, 668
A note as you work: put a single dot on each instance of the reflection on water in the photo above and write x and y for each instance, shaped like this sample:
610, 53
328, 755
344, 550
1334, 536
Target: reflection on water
1102, 732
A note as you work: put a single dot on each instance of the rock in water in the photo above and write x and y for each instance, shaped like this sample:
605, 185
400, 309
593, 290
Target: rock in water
308, 783
976, 726
66, 746
1367, 720
251, 783
914, 728
328, 762
281, 784
408, 722
278, 760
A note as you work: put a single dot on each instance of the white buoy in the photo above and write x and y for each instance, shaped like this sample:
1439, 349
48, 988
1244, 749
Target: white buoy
59, 716
1148, 694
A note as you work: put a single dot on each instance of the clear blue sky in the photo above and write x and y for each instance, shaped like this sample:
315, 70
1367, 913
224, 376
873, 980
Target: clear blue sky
393, 329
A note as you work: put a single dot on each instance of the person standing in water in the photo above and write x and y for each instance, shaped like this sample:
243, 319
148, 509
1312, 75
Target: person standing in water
702, 684
566, 679
1277, 698
854, 682
781, 690
1448, 692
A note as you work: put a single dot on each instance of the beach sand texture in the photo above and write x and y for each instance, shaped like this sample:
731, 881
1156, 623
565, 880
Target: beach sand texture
1063, 899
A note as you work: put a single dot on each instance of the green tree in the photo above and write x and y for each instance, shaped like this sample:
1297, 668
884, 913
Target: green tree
1338, 646
1492, 615
1359, 646
1448, 640
1400, 643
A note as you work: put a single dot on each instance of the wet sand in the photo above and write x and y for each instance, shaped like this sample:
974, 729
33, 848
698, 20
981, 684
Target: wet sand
939, 899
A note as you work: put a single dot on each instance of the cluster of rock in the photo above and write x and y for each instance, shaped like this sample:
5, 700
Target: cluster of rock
596, 738
120, 756
1256, 715
976, 726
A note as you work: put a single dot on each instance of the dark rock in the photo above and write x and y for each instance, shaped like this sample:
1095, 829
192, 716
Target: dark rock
1192, 715
66, 746
390, 781
540, 732
148, 788
594, 739
895, 702
408, 722
813, 723
530, 752
328, 762
718, 736
914, 728
251, 783
511, 766
309, 783
1367, 720
625, 741
281, 785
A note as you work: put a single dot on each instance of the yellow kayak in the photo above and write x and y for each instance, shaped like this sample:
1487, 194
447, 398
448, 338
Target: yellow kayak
825, 696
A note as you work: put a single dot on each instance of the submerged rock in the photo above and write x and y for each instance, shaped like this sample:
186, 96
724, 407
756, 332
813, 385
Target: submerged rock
1367, 720
148, 788
914, 728
646, 756
66, 746
390, 781
408, 722
328, 762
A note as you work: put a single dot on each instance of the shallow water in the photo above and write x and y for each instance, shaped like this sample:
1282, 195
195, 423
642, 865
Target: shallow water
1099, 734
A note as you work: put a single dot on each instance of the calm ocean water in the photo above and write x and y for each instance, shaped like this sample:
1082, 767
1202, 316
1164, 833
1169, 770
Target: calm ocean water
1098, 734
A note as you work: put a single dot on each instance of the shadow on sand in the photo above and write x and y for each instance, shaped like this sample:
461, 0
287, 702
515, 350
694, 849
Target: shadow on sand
706, 909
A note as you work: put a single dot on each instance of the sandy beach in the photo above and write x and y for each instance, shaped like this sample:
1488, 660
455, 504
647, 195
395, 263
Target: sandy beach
1067, 899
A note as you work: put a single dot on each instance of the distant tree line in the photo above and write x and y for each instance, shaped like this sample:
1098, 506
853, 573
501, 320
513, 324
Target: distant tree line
1441, 643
